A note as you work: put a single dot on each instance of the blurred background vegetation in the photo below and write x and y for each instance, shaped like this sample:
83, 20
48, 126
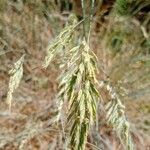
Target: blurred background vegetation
120, 37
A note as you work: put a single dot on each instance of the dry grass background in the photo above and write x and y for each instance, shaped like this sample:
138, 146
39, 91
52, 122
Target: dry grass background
28, 28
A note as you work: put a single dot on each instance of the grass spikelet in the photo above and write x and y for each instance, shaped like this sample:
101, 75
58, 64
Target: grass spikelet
77, 88
61, 41
116, 118
16, 74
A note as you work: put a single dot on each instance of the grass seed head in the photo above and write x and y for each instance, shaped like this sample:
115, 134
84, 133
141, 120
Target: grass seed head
16, 74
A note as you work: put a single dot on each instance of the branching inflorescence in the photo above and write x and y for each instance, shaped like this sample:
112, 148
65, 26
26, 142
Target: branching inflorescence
77, 91
61, 41
117, 119
76, 87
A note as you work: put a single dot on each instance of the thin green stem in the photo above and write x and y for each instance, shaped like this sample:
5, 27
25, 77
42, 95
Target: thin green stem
83, 13
91, 17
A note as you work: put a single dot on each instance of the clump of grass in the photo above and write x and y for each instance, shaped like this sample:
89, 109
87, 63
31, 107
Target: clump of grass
16, 74
121, 7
